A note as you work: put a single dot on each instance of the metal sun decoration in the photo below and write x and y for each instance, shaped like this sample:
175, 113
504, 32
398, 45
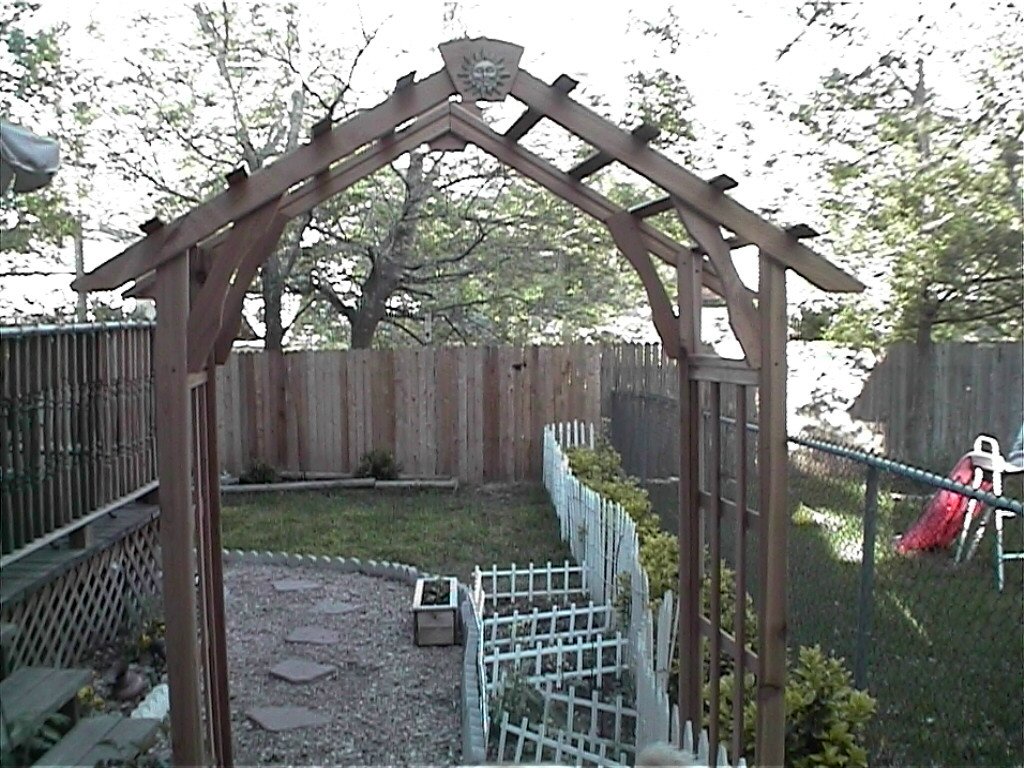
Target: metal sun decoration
482, 76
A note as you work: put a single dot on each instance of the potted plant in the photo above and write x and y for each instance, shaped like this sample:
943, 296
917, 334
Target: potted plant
434, 608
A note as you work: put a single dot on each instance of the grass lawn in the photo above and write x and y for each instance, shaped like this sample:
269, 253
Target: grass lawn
441, 531
946, 650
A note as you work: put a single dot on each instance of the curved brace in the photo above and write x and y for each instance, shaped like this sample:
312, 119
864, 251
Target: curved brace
626, 233
742, 316
231, 316
205, 317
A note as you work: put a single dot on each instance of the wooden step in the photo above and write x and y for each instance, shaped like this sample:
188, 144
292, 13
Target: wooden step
104, 737
31, 694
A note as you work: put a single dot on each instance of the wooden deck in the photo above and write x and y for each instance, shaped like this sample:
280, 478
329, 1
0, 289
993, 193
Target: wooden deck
20, 579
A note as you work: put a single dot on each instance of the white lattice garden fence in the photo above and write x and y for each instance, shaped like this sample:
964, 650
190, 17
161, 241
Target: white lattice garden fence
530, 627
572, 711
525, 742
572, 660
552, 583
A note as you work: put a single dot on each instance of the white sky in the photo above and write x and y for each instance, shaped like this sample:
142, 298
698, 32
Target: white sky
729, 48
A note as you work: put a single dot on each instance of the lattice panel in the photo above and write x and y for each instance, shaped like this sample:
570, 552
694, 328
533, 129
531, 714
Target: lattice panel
88, 605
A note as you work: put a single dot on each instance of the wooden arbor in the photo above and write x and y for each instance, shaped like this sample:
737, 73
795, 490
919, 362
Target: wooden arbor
199, 267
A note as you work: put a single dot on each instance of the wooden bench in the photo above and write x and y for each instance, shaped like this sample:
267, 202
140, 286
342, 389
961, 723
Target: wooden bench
31, 694
104, 737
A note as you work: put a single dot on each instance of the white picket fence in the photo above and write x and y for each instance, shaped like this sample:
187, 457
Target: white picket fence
553, 583
574, 707
575, 659
603, 538
536, 744
530, 627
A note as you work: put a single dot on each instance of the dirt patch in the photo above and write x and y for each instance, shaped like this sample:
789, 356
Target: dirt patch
389, 703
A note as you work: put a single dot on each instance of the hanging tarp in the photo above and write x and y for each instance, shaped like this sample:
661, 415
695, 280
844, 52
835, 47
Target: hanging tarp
27, 161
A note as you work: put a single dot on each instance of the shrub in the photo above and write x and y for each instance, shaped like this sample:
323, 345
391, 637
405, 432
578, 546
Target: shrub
259, 473
600, 469
379, 464
826, 717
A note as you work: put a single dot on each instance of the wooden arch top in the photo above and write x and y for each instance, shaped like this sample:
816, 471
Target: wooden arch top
429, 110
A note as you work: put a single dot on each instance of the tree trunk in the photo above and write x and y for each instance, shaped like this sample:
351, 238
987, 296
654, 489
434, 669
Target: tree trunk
921, 394
272, 285
82, 309
364, 326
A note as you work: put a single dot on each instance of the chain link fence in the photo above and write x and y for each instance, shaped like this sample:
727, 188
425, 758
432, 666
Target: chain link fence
937, 634
937, 639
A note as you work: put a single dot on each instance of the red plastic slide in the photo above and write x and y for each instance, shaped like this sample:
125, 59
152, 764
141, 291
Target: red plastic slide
943, 518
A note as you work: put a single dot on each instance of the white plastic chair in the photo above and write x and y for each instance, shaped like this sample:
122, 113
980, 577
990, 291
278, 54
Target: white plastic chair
987, 459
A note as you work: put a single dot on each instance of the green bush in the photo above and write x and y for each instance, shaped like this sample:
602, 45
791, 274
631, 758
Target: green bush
379, 464
826, 717
259, 473
600, 469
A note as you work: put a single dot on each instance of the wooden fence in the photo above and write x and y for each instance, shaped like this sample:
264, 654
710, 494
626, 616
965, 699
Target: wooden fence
76, 426
476, 413
973, 389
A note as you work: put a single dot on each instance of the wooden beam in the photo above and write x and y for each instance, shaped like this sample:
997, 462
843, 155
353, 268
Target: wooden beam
151, 226
558, 182
220, 696
432, 124
742, 315
723, 182
690, 556
236, 176
644, 133
799, 231
625, 231
405, 81
320, 127
177, 523
267, 184
529, 118
676, 180
720, 182
143, 287
653, 208
206, 314
772, 469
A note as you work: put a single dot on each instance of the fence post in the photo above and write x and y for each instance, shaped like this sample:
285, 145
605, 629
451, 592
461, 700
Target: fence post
865, 598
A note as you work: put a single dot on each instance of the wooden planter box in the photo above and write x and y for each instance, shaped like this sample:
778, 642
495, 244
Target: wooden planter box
435, 624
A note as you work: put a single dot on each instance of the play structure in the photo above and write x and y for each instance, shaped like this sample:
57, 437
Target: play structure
199, 267
949, 516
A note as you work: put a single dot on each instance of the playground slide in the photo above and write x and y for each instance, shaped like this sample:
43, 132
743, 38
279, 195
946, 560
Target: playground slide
943, 518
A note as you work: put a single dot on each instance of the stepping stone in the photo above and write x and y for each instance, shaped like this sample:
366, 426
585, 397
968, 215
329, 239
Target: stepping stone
314, 635
295, 585
334, 608
285, 718
301, 670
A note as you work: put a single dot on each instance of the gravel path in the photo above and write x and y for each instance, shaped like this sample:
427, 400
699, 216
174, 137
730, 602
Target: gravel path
389, 703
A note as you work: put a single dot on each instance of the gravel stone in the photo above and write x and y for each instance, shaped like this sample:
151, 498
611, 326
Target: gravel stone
390, 702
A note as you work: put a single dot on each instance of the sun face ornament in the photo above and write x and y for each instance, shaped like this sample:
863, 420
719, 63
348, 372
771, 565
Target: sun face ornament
483, 77
481, 69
